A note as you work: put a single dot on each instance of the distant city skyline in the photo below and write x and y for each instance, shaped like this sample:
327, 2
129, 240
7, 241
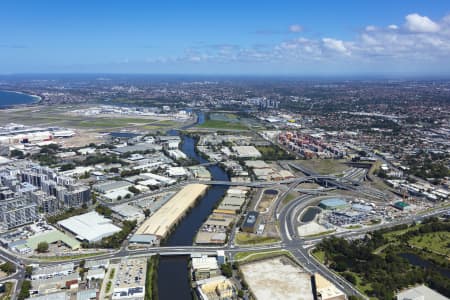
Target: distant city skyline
317, 38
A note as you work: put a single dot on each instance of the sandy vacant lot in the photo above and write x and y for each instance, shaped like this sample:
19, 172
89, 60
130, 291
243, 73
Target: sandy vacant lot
278, 278
310, 229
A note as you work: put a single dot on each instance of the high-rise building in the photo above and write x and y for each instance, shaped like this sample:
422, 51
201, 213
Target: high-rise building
17, 211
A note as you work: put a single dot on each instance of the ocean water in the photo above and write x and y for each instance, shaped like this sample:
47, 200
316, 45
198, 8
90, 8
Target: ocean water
8, 98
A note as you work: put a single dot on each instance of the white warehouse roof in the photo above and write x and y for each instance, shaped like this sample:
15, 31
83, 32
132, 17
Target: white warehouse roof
90, 226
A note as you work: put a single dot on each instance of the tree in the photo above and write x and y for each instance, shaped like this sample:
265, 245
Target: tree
42, 247
104, 210
25, 290
17, 153
67, 167
28, 271
227, 270
8, 267
134, 190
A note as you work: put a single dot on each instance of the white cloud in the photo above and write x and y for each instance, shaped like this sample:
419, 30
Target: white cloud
295, 28
336, 45
416, 43
418, 23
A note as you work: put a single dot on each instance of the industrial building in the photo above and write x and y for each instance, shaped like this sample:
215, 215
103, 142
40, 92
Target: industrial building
246, 152
250, 222
401, 205
216, 288
200, 172
53, 271
333, 203
110, 186
204, 267
160, 223
53, 237
127, 212
90, 227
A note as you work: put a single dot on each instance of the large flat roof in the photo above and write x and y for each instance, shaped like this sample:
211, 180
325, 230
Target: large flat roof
334, 202
52, 237
90, 226
162, 221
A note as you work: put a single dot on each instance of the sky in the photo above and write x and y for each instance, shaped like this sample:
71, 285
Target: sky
253, 37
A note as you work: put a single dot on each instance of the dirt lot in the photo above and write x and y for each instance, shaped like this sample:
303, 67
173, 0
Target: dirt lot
277, 278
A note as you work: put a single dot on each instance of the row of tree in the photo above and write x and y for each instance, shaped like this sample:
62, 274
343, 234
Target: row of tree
386, 273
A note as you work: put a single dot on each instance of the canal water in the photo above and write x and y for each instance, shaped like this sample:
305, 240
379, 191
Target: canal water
310, 214
418, 261
173, 280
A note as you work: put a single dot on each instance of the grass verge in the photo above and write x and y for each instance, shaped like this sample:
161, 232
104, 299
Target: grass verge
245, 257
151, 279
243, 238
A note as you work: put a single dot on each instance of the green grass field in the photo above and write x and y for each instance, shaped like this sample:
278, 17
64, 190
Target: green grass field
222, 125
243, 238
319, 255
257, 255
58, 116
435, 241
324, 166
289, 197
392, 236
113, 122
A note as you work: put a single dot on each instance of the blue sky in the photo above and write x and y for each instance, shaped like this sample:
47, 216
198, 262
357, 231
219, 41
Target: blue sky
226, 37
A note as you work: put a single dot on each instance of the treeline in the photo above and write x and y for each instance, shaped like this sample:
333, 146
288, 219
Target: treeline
274, 153
386, 273
67, 214
102, 159
104, 210
115, 240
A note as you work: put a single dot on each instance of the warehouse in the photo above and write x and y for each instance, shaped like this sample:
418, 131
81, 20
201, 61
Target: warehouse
52, 237
162, 180
171, 212
127, 212
333, 203
401, 205
111, 186
204, 267
246, 152
90, 227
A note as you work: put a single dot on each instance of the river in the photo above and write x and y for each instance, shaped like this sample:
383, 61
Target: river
173, 280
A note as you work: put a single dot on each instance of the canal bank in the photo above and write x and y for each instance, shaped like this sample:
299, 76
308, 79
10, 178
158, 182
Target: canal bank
173, 279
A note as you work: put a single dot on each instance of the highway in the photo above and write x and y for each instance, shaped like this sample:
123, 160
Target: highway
300, 247
286, 216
